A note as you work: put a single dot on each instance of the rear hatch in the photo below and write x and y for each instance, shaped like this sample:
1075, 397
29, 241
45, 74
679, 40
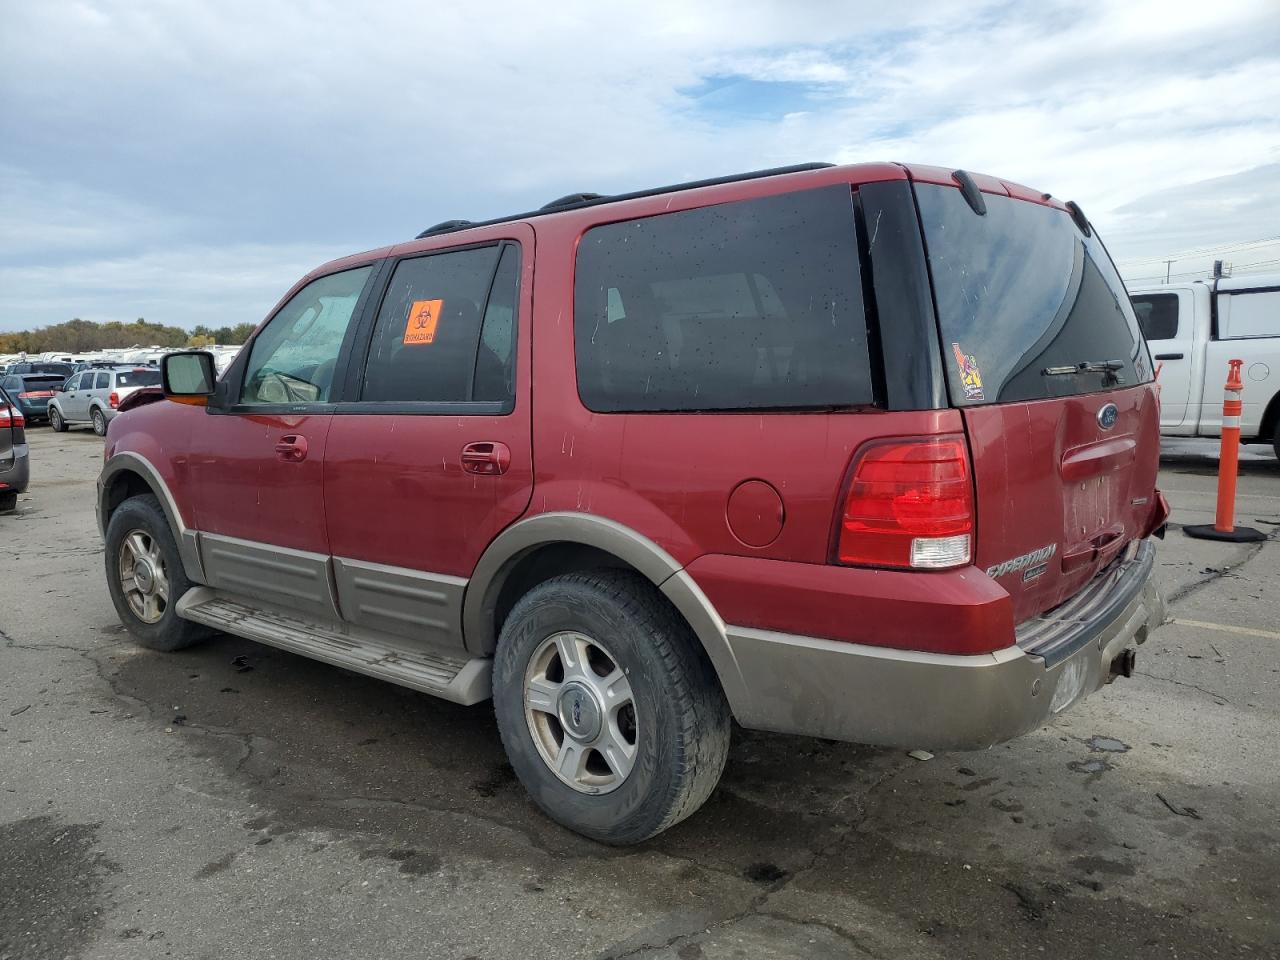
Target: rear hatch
1053, 379
38, 389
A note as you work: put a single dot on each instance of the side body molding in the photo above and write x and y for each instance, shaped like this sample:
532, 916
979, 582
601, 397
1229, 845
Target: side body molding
188, 544
509, 547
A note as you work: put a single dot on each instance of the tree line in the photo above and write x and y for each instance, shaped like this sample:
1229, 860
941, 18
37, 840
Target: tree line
84, 336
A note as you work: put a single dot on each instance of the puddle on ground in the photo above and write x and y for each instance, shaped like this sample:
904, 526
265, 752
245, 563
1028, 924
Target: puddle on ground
1106, 745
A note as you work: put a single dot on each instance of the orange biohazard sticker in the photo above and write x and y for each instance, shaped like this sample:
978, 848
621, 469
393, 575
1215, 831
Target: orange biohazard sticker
423, 317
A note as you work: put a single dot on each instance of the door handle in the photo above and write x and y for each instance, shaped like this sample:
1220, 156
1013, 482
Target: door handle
487, 458
1169, 356
292, 449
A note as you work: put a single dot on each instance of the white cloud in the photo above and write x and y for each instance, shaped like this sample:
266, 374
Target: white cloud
136, 129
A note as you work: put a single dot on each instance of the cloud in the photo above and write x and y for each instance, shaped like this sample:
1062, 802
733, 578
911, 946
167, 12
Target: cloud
138, 132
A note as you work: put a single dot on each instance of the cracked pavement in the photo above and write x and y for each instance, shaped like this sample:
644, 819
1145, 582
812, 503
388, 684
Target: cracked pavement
235, 800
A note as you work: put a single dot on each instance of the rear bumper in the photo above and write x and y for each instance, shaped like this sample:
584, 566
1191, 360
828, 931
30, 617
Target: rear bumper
15, 470
866, 694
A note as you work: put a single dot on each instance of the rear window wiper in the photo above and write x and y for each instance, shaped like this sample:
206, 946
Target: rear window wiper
1084, 366
1109, 368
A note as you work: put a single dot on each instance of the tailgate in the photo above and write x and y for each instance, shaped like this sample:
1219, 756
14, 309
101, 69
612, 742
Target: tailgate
1053, 379
1058, 496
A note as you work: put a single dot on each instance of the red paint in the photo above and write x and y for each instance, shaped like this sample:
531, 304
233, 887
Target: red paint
755, 513
746, 502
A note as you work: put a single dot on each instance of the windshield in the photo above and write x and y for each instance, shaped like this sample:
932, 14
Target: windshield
1029, 307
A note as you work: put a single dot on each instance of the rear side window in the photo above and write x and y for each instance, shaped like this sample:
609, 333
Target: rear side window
446, 330
749, 305
138, 378
1157, 315
1024, 299
103, 381
1249, 313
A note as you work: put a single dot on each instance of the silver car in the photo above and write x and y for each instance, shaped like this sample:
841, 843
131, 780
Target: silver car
92, 396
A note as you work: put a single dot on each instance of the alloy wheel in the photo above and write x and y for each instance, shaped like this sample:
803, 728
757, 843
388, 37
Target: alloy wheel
144, 579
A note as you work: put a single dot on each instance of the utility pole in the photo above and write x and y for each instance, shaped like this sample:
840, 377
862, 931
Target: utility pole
1168, 265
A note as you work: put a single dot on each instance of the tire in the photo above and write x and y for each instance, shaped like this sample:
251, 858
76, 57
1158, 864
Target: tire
678, 723
99, 422
8, 501
141, 522
55, 420
1275, 440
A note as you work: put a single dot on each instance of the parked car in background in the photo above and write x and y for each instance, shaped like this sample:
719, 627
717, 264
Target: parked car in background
92, 396
64, 370
32, 393
727, 449
1193, 329
15, 459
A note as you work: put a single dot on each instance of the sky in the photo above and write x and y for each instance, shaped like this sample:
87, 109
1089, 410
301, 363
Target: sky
187, 162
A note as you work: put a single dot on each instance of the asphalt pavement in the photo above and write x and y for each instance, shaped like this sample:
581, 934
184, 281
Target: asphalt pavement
233, 800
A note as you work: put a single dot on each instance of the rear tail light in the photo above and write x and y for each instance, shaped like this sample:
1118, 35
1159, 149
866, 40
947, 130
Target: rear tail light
114, 399
34, 394
909, 505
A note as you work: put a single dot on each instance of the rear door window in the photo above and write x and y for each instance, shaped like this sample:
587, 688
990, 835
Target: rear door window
1157, 315
1024, 300
102, 380
755, 304
445, 332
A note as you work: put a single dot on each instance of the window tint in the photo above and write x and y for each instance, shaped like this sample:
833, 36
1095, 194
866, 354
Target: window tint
102, 382
427, 339
1023, 299
1157, 315
138, 378
72, 384
293, 358
748, 305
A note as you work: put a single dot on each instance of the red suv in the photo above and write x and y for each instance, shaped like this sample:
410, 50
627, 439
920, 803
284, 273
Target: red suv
864, 452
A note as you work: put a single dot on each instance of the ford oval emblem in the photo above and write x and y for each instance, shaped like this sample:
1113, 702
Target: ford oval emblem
1107, 416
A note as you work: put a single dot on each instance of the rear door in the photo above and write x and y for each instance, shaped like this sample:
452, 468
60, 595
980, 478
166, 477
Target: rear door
432, 456
1046, 361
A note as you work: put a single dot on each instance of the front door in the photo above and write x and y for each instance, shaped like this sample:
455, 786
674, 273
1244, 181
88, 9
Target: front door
433, 456
74, 401
257, 460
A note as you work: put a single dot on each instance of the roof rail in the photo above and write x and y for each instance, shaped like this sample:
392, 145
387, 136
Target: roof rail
576, 201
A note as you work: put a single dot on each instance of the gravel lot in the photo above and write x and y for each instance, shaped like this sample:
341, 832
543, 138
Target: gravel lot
237, 801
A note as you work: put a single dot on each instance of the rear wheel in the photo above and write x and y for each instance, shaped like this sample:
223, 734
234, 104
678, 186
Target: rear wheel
1275, 440
8, 501
99, 422
145, 576
55, 420
609, 711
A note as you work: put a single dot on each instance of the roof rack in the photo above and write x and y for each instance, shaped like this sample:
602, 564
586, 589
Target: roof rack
576, 201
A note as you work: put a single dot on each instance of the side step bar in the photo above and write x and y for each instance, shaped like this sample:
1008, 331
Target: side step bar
461, 679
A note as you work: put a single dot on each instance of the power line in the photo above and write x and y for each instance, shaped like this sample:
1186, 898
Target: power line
1207, 251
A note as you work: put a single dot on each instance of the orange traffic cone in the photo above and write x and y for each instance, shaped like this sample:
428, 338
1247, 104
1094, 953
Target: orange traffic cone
1223, 527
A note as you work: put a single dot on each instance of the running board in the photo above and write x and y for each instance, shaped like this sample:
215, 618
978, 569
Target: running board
461, 679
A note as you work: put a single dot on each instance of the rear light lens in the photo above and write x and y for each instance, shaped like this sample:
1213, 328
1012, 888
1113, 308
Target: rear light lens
34, 394
909, 505
114, 399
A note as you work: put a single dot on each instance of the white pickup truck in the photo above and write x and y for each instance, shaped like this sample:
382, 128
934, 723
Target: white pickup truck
1193, 329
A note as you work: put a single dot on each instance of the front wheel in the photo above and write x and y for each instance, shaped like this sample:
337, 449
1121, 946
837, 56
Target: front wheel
609, 710
55, 420
99, 422
145, 576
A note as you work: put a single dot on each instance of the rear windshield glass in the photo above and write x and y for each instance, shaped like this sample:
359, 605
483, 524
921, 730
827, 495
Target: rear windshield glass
1029, 307
36, 381
749, 305
138, 378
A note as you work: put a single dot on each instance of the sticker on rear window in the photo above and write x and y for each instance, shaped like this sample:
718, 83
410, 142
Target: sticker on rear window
970, 376
421, 325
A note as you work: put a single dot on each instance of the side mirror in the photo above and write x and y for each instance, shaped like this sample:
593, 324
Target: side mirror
189, 376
